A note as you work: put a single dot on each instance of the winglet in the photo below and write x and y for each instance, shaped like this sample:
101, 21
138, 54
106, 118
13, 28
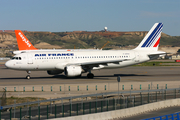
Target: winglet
23, 42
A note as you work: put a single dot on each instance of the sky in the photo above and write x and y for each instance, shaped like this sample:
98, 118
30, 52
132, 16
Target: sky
90, 15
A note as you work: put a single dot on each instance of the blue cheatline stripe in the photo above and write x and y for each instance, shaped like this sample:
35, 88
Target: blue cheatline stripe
159, 29
154, 33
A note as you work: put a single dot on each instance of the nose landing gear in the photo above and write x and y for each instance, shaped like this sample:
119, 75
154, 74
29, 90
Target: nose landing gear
28, 76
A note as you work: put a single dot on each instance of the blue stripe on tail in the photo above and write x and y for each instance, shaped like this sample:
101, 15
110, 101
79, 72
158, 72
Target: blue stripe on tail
153, 36
159, 29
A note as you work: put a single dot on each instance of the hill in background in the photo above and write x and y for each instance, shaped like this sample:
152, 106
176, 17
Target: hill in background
82, 40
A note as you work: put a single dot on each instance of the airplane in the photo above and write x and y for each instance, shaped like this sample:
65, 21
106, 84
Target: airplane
75, 62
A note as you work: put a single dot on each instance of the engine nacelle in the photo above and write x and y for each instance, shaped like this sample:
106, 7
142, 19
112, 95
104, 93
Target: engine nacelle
54, 72
72, 70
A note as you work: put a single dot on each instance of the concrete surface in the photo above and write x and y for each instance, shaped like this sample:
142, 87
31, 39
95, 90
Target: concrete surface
136, 76
125, 112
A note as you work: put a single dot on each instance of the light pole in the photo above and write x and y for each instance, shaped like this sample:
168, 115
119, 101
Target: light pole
118, 79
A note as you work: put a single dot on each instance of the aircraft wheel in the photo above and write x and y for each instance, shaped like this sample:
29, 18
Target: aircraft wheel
90, 75
78, 76
28, 77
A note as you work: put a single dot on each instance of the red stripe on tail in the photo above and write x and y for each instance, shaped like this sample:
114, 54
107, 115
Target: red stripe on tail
157, 43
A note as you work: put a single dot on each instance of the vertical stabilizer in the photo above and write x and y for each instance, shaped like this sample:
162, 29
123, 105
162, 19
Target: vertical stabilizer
152, 39
23, 42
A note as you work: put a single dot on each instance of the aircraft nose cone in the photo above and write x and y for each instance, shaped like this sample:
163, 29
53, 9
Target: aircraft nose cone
7, 64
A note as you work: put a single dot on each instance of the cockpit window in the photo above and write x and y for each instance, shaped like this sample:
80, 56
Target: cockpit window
16, 58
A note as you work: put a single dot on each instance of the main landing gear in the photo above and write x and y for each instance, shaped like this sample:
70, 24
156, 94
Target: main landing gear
90, 75
28, 76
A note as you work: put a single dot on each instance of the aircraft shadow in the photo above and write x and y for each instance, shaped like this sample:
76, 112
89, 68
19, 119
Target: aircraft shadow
82, 77
97, 77
19, 78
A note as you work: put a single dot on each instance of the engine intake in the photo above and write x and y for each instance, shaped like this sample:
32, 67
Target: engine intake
72, 70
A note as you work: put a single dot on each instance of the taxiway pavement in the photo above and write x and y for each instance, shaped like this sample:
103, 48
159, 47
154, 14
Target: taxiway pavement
128, 74
135, 76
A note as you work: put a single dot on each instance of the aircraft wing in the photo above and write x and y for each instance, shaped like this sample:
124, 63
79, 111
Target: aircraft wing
104, 62
97, 63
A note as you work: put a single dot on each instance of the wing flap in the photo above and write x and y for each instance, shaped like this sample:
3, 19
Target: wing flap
97, 63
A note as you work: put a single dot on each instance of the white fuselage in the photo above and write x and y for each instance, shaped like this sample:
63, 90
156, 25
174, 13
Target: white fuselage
75, 62
57, 60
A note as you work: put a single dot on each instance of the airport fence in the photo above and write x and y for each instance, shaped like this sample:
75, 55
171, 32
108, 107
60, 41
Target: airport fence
104, 87
85, 104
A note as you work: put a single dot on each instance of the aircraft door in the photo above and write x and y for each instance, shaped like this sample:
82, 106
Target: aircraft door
29, 59
137, 57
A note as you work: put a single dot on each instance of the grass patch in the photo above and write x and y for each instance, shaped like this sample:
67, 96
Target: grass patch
11, 100
158, 64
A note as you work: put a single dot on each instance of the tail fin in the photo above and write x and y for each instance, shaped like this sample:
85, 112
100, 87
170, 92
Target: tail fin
152, 39
23, 42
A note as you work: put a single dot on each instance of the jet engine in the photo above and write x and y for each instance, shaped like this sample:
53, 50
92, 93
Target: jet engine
54, 72
72, 70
